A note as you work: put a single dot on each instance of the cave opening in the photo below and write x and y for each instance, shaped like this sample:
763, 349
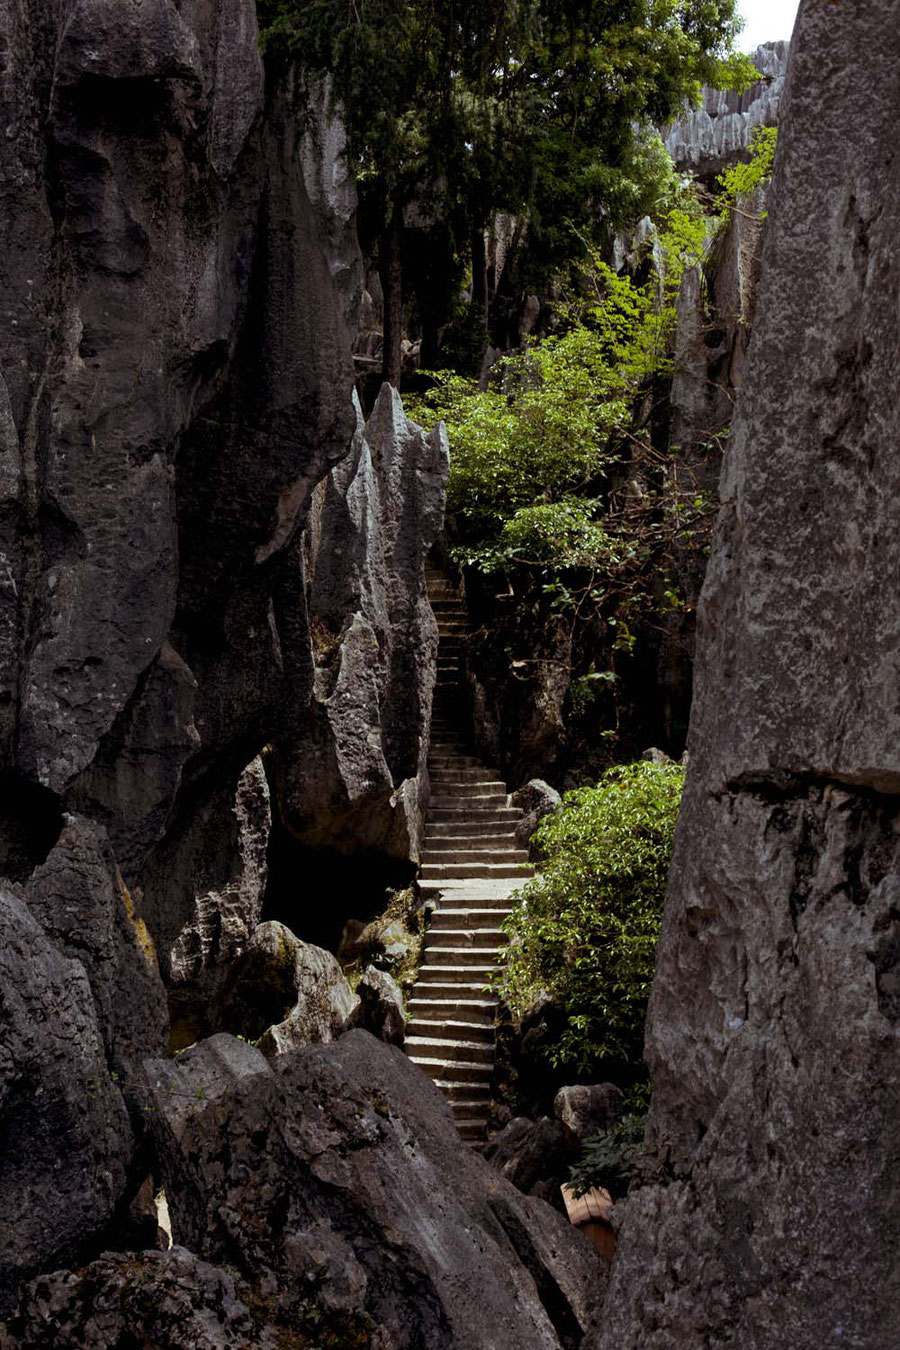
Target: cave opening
31, 821
314, 892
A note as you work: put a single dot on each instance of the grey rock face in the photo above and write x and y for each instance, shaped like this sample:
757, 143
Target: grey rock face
715, 312
81, 901
206, 895
773, 1030
587, 1108
380, 1009
352, 776
535, 1155
707, 139
67, 1142
285, 993
537, 799
179, 272
170, 1299
354, 1153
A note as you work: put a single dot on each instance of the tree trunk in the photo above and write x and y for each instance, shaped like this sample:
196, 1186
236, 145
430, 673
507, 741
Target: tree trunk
479, 274
390, 269
430, 342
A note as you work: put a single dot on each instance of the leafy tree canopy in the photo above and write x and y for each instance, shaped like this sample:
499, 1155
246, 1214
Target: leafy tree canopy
540, 108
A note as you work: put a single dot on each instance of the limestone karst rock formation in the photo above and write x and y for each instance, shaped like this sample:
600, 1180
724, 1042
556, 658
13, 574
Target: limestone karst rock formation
774, 1030
179, 274
337, 1173
706, 139
352, 775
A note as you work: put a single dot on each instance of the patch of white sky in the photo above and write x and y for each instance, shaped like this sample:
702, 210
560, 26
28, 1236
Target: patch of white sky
765, 21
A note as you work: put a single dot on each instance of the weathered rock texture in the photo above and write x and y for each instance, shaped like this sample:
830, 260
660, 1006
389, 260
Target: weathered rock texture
712, 136
774, 1022
169, 1299
180, 272
363, 1201
66, 1139
284, 993
380, 1009
352, 775
714, 326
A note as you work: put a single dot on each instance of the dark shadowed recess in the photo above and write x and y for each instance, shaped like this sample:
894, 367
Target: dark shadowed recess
31, 821
314, 892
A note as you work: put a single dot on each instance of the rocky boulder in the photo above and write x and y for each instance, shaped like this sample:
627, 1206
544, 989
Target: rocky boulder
588, 1108
80, 900
170, 1300
380, 1010
535, 1155
536, 799
284, 993
773, 1026
365, 1204
180, 272
67, 1142
709, 138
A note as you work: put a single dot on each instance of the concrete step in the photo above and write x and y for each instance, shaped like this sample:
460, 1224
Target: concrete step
447, 1003
451, 852
462, 940
484, 871
467, 971
477, 829
456, 898
464, 986
471, 1110
454, 775
499, 844
424, 1028
482, 799
473, 813
450, 1052
460, 789
475, 1094
442, 1071
463, 916
478, 960
472, 1131
477, 1010
458, 764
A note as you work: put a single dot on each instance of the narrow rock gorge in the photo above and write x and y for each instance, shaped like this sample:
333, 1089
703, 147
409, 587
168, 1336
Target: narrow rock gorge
217, 660
279, 741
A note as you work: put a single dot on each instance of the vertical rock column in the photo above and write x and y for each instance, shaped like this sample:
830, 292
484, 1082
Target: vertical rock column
775, 1015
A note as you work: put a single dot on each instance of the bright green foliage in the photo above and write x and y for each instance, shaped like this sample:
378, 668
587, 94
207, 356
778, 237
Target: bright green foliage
548, 432
555, 428
585, 929
560, 533
741, 179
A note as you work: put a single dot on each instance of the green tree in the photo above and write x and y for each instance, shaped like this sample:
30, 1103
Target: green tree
537, 107
585, 930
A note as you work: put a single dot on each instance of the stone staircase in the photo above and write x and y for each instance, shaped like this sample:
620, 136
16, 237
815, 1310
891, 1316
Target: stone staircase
471, 866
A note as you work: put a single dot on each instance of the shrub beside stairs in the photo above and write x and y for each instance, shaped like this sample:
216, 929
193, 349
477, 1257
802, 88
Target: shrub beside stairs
470, 867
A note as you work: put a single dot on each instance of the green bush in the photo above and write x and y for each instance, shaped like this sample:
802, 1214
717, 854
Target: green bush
584, 931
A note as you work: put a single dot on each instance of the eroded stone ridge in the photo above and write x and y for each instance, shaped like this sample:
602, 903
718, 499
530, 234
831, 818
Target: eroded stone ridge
706, 139
773, 1031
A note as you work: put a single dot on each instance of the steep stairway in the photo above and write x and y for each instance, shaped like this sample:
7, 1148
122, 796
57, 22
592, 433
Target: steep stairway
470, 866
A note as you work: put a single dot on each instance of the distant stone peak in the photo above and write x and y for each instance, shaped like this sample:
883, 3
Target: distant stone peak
706, 139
